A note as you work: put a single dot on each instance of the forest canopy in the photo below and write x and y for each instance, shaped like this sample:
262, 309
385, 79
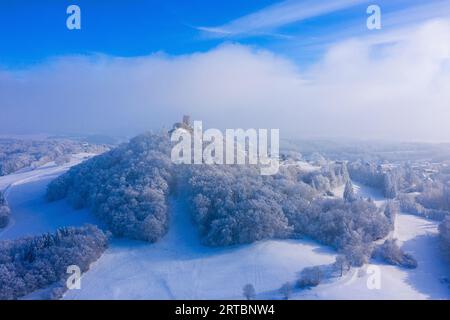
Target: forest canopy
33, 263
128, 188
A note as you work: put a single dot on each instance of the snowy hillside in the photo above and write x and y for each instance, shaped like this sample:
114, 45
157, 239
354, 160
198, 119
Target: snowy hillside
31, 213
419, 237
180, 267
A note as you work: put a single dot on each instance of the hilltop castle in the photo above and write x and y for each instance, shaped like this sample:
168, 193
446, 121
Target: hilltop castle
185, 124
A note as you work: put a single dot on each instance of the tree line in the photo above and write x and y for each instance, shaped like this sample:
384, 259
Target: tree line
33, 263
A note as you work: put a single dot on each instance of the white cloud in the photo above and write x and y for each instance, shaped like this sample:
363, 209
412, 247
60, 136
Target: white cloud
277, 15
396, 20
357, 90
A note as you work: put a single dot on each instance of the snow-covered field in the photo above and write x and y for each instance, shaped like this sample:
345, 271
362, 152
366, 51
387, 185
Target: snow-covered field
305, 166
176, 267
179, 267
31, 213
364, 192
417, 236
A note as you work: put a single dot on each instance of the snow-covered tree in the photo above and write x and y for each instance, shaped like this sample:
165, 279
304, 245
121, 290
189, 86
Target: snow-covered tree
349, 193
367, 173
435, 195
127, 187
444, 231
357, 253
342, 264
390, 186
410, 204
310, 277
390, 252
4, 212
16, 154
391, 211
33, 263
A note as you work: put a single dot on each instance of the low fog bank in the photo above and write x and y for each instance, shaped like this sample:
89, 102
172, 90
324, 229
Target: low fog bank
395, 91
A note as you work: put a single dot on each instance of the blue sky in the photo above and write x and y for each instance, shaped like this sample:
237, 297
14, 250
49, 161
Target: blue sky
33, 31
309, 67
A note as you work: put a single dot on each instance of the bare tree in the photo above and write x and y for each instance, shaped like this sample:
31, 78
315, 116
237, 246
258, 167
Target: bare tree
249, 291
342, 264
286, 291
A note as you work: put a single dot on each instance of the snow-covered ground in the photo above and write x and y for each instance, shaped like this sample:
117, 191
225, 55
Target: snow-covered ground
305, 166
176, 267
362, 191
417, 236
31, 214
179, 267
